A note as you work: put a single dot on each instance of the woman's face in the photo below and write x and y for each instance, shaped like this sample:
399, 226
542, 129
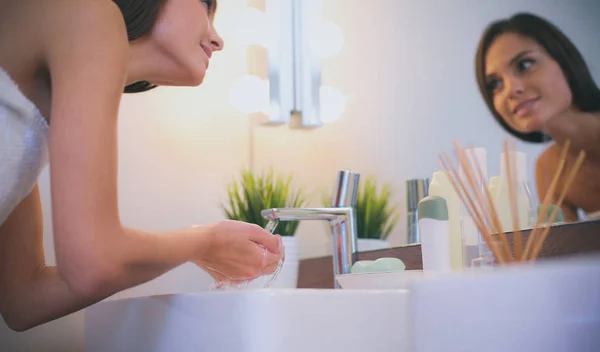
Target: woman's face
185, 38
528, 87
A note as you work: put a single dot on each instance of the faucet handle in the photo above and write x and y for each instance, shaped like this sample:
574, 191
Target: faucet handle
356, 179
346, 189
341, 189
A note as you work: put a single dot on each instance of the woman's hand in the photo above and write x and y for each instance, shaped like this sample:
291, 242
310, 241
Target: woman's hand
239, 251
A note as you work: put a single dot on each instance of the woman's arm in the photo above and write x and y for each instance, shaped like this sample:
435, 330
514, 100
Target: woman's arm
32, 293
87, 55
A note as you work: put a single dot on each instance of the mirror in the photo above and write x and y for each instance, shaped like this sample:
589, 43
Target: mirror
408, 70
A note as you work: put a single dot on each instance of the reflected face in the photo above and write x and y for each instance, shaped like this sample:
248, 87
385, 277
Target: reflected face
528, 88
186, 38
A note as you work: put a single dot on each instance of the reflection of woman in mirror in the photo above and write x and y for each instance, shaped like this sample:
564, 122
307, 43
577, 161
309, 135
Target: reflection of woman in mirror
539, 88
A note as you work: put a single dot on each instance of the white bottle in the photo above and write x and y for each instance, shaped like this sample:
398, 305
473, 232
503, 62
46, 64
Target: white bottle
440, 186
500, 193
435, 234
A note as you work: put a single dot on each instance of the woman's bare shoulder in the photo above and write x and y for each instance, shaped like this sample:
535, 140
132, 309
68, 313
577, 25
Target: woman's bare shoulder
549, 159
38, 13
77, 16
38, 24
46, 21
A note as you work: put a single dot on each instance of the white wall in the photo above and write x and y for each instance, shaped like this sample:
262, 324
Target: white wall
407, 67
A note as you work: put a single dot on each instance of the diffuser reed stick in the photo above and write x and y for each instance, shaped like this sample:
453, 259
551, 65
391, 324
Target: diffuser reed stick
473, 192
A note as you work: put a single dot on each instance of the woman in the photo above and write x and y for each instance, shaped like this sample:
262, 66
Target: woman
538, 87
63, 67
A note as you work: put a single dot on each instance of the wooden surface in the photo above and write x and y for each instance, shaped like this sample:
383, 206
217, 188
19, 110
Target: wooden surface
576, 239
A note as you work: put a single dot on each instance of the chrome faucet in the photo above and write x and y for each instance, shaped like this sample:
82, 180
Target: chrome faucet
341, 217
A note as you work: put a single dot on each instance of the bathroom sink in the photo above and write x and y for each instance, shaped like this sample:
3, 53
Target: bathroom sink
275, 320
552, 306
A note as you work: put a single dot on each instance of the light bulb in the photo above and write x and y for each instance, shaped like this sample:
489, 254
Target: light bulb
327, 39
274, 112
333, 104
250, 26
250, 94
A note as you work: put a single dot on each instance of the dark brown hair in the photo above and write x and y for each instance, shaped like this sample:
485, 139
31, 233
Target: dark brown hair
139, 16
586, 95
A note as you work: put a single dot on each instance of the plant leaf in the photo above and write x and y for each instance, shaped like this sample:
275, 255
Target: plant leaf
254, 192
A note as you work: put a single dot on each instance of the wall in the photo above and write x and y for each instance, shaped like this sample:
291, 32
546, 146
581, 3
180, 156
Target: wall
407, 67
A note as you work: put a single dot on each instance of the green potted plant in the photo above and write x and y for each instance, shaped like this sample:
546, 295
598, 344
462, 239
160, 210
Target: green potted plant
376, 215
253, 192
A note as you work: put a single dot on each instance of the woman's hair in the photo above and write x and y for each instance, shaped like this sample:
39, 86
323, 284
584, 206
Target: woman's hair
139, 16
586, 95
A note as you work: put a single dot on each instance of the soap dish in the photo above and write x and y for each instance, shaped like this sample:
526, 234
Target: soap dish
395, 280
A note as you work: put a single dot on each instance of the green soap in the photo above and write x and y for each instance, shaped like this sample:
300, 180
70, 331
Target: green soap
433, 207
560, 217
387, 264
362, 266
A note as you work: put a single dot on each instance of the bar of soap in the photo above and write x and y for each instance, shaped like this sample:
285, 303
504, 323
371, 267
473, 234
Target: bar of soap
362, 266
388, 264
379, 265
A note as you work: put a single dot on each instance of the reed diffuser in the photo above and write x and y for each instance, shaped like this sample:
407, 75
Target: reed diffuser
480, 206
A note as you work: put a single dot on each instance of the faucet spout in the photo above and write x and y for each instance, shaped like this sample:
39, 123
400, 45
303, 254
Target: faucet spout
341, 217
297, 214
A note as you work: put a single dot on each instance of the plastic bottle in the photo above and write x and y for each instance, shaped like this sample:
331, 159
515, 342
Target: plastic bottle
435, 234
440, 186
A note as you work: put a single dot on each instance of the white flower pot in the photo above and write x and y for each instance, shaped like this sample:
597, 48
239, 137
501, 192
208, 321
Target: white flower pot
288, 277
368, 244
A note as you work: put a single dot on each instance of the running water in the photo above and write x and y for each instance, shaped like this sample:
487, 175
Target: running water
271, 226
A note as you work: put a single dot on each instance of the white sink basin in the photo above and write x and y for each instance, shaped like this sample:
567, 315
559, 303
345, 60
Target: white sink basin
301, 320
553, 306
550, 307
